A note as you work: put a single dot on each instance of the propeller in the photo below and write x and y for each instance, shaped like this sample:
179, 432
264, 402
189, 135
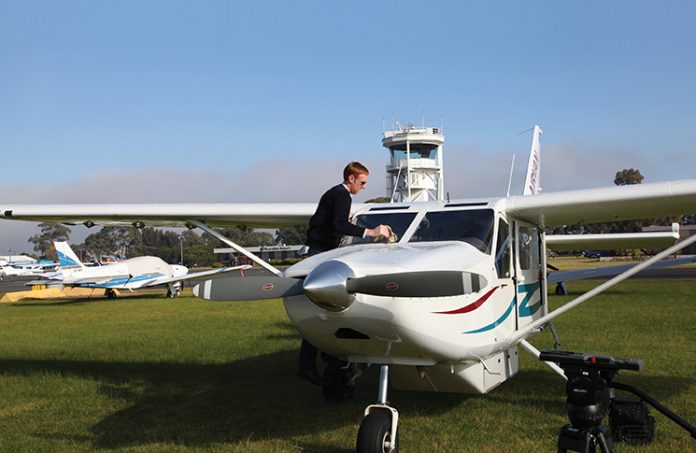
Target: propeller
254, 287
332, 285
417, 284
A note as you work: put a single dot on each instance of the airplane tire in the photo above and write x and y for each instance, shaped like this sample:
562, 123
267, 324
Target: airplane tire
337, 387
374, 434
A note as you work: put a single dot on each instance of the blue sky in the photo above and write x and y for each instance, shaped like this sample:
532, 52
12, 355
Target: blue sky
264, 101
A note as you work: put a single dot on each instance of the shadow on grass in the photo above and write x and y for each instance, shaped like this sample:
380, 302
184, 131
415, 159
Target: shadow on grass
200, 405
259, 398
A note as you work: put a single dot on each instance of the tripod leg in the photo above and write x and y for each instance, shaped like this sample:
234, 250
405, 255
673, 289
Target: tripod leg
588, 443
604, 443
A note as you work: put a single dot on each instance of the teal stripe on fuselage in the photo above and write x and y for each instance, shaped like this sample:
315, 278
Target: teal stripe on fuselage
529, 289
497, 322
121, 281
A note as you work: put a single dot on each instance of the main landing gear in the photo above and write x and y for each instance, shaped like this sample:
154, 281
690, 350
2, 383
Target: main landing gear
174, 290
378, 433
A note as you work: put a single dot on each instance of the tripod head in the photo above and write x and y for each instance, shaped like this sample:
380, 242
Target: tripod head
590, 378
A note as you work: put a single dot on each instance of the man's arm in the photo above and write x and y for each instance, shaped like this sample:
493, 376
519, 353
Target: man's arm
343, 226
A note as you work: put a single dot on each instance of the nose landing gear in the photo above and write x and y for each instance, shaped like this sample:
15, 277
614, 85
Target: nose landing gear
378, 430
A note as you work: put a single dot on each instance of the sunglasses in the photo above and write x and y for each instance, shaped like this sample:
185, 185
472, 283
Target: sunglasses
362, 183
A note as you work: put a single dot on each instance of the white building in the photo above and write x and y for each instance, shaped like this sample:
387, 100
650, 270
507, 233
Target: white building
415, 171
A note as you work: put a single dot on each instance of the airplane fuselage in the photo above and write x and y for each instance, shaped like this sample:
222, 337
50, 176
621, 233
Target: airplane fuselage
451, 336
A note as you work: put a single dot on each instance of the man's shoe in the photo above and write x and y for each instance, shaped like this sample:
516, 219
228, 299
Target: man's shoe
311, 376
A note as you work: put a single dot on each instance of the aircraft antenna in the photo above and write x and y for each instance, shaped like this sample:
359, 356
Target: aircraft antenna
512, 167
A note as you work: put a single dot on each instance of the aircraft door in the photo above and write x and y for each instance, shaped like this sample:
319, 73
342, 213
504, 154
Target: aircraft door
528, 273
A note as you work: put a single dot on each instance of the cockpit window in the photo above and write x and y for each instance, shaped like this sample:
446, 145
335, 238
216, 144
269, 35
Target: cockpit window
474, 226
398, 221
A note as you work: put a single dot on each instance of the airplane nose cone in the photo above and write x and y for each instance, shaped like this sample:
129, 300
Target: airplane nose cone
326, 286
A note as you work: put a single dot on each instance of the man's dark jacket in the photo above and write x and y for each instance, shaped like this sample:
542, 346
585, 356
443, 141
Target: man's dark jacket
330, 221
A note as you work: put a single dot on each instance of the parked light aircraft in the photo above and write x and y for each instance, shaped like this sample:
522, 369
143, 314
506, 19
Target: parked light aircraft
131, 274
27, 268
441, 307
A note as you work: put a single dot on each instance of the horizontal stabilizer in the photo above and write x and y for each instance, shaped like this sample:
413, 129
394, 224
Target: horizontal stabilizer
417, 284
610, 271
248, 288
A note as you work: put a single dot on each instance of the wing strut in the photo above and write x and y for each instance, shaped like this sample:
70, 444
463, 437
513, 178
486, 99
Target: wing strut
238, 248
522, 333
535, 352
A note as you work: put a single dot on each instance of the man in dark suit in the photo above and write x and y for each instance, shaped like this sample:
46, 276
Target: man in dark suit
327, 226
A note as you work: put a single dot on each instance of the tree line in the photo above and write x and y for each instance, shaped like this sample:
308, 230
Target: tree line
131, 242
198, 249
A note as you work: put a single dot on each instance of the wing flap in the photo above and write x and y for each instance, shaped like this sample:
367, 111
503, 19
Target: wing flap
658, 240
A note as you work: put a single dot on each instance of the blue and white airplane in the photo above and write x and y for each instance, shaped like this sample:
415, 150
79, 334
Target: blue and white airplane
26, 268
131, 274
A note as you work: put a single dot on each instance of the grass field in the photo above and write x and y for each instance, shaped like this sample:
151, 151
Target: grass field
152, 375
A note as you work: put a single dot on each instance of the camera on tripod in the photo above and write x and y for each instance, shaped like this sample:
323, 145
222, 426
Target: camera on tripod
590, 395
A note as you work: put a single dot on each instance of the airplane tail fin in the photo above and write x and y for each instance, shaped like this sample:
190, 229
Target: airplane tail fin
66, 256
531, 181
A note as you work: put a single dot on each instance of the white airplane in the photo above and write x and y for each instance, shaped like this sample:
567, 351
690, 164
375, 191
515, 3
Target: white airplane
441, 307
131, 274
27, 268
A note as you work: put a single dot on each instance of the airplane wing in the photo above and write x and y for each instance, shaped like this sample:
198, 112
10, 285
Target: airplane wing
610, 271
194, 275
639, 201
613, 241
165, 214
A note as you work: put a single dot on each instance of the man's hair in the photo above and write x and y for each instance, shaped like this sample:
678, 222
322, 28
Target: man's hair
355, 169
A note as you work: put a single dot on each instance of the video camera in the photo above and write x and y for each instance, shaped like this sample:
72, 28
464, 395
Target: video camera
589, 395
566, 359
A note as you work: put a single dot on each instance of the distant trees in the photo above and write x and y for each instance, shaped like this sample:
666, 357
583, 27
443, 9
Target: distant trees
295, 235
628, 176
166, 244
43, 242
624, 177
379, 200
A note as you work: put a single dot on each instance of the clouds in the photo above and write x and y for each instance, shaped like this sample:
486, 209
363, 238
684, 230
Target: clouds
469, 172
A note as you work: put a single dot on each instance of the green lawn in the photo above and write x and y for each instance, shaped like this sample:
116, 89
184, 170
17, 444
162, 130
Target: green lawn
154, 374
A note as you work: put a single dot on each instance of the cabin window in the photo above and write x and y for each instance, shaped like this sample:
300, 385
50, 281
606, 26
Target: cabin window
502, 250
473, 226
398, 221
528, 243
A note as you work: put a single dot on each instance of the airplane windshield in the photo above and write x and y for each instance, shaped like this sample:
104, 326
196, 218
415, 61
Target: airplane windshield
398, 221
472, 226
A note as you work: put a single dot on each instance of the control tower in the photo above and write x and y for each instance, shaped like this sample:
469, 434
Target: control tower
415, 171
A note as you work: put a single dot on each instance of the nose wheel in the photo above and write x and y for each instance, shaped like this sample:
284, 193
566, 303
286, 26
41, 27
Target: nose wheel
378, 430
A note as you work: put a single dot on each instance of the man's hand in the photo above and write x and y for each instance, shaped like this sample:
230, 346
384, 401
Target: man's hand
380, 231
